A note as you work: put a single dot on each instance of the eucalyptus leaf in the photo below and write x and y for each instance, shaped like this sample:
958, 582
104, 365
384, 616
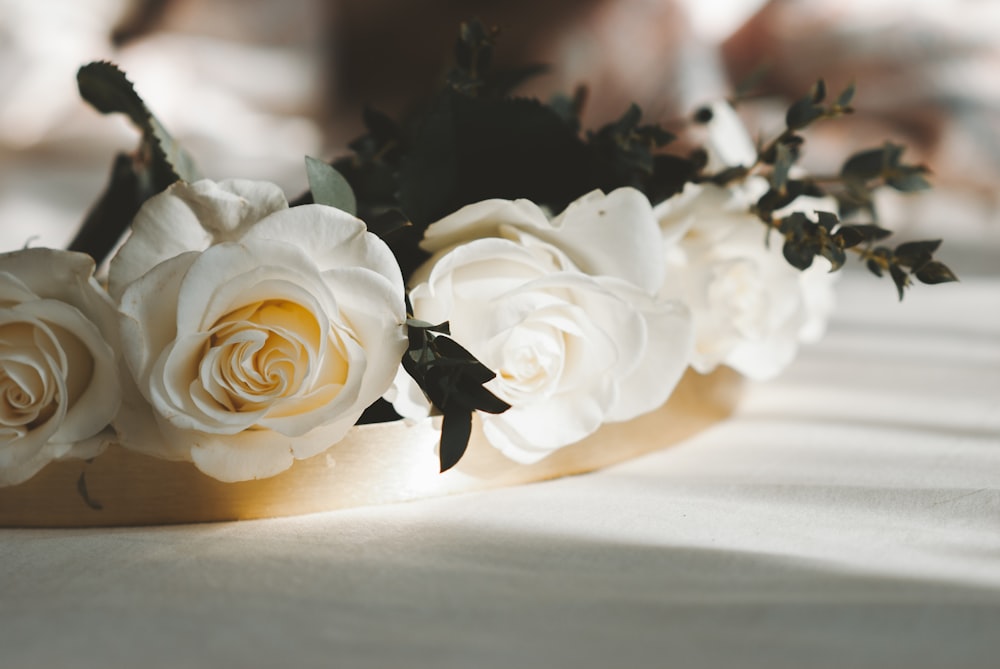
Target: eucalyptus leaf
329, 187
456, 428
935, 272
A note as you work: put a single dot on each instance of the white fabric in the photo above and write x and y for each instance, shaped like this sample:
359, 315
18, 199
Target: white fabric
848, 516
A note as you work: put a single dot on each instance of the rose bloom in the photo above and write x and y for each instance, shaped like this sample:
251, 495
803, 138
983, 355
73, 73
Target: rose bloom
59, 385
750, 307
562, 310
256, 334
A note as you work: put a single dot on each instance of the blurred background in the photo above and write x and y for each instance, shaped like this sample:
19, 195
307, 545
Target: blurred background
250, 86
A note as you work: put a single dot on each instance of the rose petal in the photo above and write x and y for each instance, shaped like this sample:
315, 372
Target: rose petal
149, 325
483, 219
612, 235
332, 238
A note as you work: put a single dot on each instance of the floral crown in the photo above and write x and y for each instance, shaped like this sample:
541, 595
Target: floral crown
484, 271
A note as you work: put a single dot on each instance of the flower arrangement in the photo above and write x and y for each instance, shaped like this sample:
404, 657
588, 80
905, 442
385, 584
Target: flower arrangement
485, 257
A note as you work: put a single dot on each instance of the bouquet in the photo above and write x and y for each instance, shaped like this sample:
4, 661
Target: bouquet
485, 257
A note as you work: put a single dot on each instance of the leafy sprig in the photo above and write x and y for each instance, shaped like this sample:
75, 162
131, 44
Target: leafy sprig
452, 379
156, 163
860, 176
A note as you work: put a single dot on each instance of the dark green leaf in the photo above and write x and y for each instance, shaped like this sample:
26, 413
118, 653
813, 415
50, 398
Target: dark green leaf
111, 215
456, 428
915, 253
818, 92
852, 235
802, 113
784, 158
845, 97
472, 149
864, 165
107, 88
379, 411
908, 179
797, 256
934, 272
329, 187
835, 255
827, 220
899, 278
157, 162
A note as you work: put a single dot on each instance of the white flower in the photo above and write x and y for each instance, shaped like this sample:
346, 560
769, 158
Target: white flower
751, 309
58, 379
264, 347
563, 311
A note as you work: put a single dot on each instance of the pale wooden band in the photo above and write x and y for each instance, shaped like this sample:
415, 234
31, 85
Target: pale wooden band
374, 464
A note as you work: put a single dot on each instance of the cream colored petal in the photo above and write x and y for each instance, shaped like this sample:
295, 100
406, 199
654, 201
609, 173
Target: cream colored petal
612, 235
98, 402
148, 317
163, 228
665, 356
228, 209
332, 238
245, 456
483, 219
138, 428
230, 276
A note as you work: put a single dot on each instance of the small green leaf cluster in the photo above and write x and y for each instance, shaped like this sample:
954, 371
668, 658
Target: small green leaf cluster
853, 189
865, 171
910, 259
452, 379
473, 140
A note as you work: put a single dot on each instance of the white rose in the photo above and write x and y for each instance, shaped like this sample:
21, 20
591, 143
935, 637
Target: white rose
258, 350
750, 308
563, 311
58, 378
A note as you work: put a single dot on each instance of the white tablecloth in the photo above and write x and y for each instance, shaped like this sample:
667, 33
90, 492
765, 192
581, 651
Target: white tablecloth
847, 516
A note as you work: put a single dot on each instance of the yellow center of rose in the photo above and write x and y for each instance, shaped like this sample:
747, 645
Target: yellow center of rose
266, 352
28, 391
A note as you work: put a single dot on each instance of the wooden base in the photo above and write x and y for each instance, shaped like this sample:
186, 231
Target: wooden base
374, 464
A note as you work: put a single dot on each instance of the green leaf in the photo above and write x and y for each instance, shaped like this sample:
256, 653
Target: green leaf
797, 255
113, 212
835, 255
802, 113
471, 149
784, 159
818, 91
864, 165
935, 272
827, 220
912, 254
108, 90
899, 277
852, 235
456, 428
908, 178
156, 163
845, 97
329, 187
